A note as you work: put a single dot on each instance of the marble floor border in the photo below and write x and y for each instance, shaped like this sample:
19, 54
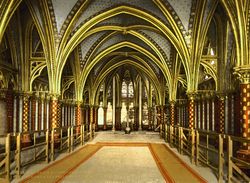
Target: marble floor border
163, 171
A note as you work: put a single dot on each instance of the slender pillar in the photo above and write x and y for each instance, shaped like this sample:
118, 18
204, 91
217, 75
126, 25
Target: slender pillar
3, 111
118, 118
172, 113
15, 113
39, 119
105, 118
191, 110
150, 118
78, 115
54, 112
140, 104
221, 110
33, 112
114, 104
91, 115
25, 125
96, 117
42, 122
9, 106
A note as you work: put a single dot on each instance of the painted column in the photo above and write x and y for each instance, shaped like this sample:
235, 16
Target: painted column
39, 114
191, 110
42, 99
25, 124
91, 122
78, 115
140, 104
54, 112
15, 113
245, 111
114, 104
105, 118
118, 118
221, 111
96, 117
9, 102
3, 112
208, 98
172, 113
149, 118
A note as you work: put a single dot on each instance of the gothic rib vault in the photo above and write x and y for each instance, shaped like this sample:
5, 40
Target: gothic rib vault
186, 58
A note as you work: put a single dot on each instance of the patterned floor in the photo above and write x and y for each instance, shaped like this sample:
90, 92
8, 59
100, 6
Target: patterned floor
118, 157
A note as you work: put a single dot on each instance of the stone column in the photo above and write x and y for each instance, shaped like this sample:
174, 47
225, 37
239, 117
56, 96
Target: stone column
59, 113
9, 106
244, 77
96, 117
33, 112
136, 110
221, 112
78, 115
46, 113
140, 104
54, 111
150, 118
114, 104
172, 113
25, 125
105, 118
118, 118
16, 113
91, 122
191, 109
3, 112
162, 117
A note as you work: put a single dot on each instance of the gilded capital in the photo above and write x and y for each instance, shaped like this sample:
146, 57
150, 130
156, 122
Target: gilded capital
243, 74
192, 95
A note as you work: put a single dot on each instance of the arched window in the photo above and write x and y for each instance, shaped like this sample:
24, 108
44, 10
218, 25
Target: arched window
100, 115
127, 90
109, 114
124, 113
124, 89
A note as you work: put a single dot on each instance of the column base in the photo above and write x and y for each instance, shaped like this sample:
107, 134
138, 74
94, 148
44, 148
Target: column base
26, 140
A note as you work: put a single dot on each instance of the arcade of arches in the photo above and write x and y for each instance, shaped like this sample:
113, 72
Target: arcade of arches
137, 63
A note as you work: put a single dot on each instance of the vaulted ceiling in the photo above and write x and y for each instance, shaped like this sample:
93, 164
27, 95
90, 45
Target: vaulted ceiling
169, 39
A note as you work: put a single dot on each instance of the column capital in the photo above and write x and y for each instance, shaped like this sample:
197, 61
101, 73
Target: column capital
172, 102
3, 93
192, 95
221, 95
243, 73
78, 102
53, 96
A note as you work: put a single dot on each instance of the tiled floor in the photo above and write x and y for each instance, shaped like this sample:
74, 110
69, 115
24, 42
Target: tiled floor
118, 164
114, 164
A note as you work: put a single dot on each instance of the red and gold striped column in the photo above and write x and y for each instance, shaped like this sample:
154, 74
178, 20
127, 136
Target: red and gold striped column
191, 109
54, 112
10, 110
245, 110
244, 76
172, 113
91, 120
78, 115
25, 126
221, 110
